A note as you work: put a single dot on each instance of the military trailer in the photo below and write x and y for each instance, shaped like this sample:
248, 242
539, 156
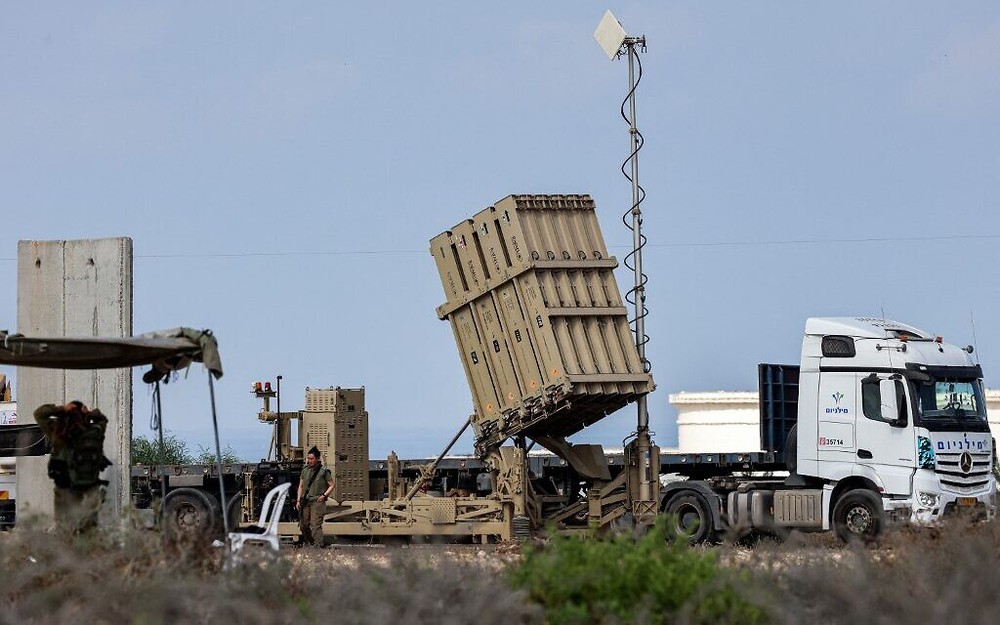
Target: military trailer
193, 502
544, 339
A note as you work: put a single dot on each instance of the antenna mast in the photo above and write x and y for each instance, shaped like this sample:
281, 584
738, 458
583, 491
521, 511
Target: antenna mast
616, 43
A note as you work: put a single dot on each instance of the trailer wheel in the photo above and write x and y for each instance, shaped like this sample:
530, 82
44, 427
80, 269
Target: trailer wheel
191, 513
234, 510
690, 517
858, 515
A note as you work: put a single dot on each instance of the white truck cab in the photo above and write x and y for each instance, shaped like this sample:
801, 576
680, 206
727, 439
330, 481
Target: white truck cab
897, 412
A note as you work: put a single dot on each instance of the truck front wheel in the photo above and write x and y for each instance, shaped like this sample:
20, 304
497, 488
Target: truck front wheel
858, 515
690, 517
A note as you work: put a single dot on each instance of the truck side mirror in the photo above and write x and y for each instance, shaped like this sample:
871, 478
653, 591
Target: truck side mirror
893, 402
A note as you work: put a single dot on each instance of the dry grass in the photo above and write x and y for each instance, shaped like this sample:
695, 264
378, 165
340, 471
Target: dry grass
134, 576
915, 575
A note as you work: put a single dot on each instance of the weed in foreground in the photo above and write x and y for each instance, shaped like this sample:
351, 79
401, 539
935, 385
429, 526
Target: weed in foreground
624, 580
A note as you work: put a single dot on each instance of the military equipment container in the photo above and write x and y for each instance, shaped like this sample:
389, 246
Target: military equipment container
538, 317
336, 422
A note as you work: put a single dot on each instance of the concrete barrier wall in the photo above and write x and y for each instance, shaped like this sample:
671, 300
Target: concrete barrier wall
76, 288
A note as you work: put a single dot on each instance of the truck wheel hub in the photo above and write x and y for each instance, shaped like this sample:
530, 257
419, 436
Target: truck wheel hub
688, 519
188, 516
859, 520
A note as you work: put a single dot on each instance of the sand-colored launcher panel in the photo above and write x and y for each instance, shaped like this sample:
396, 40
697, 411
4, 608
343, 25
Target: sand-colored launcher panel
336, 422
538, 318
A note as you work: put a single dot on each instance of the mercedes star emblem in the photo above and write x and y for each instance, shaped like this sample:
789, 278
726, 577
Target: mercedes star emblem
965, 462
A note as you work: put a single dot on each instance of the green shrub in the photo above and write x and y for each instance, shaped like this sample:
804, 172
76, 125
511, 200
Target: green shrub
207, 456
146, 451
651, 579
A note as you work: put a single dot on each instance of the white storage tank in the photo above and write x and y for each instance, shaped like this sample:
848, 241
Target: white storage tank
993, 411
722, 421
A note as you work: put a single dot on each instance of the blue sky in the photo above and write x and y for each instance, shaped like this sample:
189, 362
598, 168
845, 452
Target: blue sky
281, 169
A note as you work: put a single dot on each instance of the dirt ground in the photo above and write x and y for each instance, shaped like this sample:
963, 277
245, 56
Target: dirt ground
356, 555
799, 550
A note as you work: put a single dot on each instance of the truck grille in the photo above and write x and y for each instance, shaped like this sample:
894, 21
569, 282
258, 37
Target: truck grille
974, 478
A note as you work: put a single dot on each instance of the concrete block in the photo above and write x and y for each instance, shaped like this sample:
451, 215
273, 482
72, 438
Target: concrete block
76, 288
33, 480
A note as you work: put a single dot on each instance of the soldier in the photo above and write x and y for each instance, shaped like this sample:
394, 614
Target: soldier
76, 435
315, 485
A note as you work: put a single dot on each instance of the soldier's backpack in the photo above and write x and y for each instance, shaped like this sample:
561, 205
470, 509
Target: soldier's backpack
86, 458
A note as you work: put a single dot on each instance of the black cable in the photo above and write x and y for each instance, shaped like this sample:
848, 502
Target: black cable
636, 295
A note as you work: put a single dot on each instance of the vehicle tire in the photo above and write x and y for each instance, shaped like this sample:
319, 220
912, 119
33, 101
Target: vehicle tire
191, 513
690, 517
791, 449
623, 526
857, 515
234, 510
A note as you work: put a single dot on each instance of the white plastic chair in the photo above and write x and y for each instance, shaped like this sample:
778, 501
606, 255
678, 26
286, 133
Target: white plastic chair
265, 530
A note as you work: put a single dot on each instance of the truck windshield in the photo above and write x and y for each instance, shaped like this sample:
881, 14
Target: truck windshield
950, 404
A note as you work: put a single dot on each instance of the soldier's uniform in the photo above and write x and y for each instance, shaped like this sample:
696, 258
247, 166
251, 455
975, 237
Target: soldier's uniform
315, 481
75, 465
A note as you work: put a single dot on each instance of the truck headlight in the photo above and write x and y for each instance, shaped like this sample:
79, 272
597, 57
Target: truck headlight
928, 500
